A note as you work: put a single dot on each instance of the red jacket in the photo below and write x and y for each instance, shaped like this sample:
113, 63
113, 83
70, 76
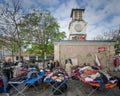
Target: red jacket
116, 62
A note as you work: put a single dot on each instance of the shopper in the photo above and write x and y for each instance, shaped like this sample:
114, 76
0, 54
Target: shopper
6, 73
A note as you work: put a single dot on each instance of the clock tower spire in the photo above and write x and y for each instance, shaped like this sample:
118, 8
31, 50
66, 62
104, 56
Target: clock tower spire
77, 26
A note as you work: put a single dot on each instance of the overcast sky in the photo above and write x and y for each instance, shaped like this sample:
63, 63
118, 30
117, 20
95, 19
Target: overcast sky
100, 15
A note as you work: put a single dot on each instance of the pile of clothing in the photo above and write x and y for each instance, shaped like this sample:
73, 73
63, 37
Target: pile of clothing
91, 75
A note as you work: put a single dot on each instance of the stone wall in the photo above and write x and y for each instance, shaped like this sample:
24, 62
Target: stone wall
84, 52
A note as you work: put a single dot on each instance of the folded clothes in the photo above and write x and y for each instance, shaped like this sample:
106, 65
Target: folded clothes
88, 79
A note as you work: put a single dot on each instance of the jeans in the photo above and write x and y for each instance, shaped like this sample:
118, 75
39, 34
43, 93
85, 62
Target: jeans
102, 87
5, 83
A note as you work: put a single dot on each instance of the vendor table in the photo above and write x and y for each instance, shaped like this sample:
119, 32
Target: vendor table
56, 88
26, 83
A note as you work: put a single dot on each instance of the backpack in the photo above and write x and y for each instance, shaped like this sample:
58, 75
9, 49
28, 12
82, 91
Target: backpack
32, 74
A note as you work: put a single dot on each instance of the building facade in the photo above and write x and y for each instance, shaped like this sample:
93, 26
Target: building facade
85, 52
81, 50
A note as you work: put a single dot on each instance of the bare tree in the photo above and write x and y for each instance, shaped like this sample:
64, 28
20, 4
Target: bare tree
10, 17
117, 45
111, 35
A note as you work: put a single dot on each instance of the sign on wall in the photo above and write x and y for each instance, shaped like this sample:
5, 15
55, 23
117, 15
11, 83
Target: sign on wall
102, 49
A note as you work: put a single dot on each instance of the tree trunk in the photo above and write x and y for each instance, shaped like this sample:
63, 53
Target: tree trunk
13, 56
43, 59
19, 52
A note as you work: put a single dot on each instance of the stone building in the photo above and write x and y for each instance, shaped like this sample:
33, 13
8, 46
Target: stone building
81, 50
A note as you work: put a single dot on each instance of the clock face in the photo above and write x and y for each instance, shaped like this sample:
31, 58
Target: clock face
79, 27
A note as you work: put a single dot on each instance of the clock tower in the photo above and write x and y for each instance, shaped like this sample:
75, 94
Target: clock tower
77, 26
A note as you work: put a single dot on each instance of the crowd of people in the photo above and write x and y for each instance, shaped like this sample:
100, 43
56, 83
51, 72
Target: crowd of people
11, 70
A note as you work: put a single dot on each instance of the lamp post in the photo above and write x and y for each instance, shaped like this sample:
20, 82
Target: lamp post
109, 45
3, 55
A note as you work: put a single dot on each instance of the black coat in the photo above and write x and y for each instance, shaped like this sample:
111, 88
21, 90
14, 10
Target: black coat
6, 69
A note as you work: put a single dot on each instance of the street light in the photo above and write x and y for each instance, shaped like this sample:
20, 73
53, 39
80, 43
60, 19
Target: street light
109, 45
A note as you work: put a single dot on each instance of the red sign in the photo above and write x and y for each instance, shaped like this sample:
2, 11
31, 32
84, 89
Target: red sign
78, 38
101, 49
73, 38
82, 38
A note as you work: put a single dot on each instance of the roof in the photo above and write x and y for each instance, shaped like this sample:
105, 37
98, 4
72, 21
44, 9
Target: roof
23, 54
86, 41
75, 10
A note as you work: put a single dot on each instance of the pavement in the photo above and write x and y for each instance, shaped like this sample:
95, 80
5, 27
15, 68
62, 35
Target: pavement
75, 88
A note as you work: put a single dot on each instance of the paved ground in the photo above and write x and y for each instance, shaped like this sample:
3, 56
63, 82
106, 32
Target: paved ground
75, 88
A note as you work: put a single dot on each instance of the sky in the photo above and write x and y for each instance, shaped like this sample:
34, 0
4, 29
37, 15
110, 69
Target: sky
100, 15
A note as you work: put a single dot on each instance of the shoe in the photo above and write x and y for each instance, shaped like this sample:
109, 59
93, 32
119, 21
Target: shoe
6, 94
